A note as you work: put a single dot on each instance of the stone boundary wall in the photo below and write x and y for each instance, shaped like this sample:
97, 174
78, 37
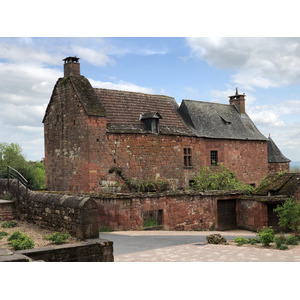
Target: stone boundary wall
7, 209
97, 250
180, 211
75, 214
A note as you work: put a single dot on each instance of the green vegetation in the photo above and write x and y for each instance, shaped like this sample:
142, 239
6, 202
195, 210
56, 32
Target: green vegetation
240, 240
9, 224
2, 234
266, 236
218, 178
58, 237
20, 241
289, 215
104, 229
292, 240
150, 223
11, 155
141, 186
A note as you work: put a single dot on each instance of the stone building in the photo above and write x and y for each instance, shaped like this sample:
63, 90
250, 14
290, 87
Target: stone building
90, 130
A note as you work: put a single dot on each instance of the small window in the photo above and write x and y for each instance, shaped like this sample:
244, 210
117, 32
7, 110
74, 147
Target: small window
214, 158
187, 157
154, 125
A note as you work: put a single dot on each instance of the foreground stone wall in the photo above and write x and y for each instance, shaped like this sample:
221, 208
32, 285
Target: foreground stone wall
75, 214
180, 211
97, 250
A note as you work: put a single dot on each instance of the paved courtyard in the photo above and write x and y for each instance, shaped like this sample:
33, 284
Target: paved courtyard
190, 246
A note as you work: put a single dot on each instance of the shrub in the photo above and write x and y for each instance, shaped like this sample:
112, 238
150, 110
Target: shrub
253, 241
58, 237
278, 242
240, 240
292, 240
20, 241
283, 247
289, 215
15, 235
2, 234
266, 236
9, 224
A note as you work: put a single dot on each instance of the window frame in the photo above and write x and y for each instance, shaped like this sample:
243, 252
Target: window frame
214, 159
187, 157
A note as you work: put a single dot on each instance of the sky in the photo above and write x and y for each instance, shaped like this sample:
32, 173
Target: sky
267, 70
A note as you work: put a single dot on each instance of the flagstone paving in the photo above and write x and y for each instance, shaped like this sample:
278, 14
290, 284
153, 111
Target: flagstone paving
193, 250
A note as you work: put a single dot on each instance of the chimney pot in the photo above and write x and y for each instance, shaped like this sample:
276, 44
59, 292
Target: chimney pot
239, 101
71, 66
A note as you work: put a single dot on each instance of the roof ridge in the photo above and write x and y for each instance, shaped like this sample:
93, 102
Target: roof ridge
132, 92
199, 101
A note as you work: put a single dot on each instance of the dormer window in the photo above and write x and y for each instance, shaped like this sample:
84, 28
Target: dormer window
151, 121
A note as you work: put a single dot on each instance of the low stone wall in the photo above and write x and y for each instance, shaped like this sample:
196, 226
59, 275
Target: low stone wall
179, 211
96, 250
75, 214
7, 210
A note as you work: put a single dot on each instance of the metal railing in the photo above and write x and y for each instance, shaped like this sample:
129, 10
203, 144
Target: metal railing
13, 173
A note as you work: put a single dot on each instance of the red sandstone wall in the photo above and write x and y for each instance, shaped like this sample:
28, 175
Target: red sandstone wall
157, 156
278, 167
252, 215
180, 212
66, 141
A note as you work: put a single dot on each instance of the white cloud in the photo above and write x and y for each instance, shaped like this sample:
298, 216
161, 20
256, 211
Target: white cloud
97, 57
121, 85
23, 50
256, 62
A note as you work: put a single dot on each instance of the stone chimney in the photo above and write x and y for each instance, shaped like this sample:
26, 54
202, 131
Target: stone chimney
71, 66
239, 101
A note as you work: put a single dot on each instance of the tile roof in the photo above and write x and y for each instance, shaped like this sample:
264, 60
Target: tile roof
123, 111
279, 184
222, 121
274, 154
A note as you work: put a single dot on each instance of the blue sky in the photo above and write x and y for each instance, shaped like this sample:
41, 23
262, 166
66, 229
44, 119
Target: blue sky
267, 70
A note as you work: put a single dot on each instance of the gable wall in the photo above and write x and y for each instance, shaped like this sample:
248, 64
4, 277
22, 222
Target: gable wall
65, 131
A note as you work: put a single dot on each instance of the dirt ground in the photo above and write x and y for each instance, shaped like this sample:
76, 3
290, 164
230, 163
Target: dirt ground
35, 232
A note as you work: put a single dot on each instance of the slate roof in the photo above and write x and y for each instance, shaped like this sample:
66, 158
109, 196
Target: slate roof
274, 154
123, 111
279, 184
221, 121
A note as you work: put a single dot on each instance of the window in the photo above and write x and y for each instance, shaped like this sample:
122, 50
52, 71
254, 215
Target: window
187, 157
214, 158
151, 121
154, 125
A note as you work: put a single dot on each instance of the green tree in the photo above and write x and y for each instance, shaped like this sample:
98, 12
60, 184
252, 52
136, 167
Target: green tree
289, 215
218, 178
11, 155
